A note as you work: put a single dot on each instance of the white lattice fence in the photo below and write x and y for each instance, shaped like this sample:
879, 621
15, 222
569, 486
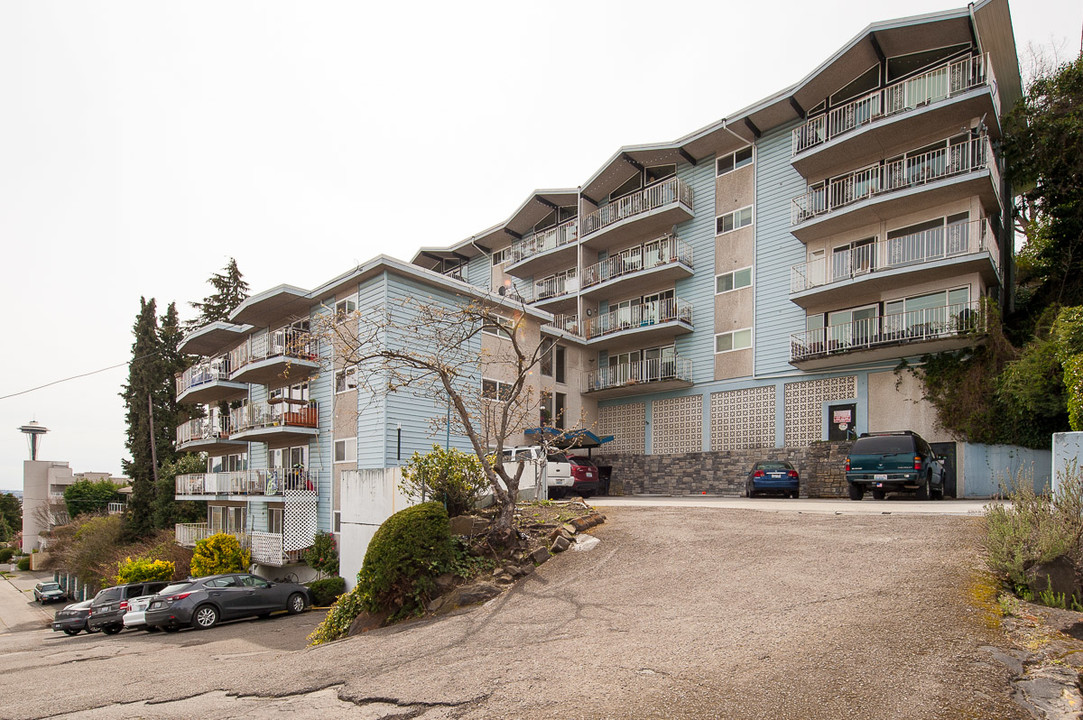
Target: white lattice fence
266, 548
299, 519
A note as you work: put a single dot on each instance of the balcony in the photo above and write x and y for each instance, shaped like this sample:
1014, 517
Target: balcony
650, 211
565, 323
928, 255
280, 423
653, 375
883, 191
116, 508
266, 548
948, 95
647, 322
208, 382
270, 483
930, 330
556, 288
206, 435
277, 358
541, 253
661, 261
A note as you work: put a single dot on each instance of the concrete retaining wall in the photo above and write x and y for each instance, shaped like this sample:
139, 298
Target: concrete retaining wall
1067, 454
984, 470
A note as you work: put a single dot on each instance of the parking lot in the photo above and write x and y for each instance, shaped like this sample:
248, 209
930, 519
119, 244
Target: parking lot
678, 612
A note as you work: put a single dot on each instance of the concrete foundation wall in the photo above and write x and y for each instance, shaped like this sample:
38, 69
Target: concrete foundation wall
1067, 454
984, 469
368, 498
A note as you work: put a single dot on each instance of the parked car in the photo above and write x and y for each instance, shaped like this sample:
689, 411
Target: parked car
73, 618
109, 606
49, 591
584, 476
886, 462
203, 602
136, 617
774, 476
558, 469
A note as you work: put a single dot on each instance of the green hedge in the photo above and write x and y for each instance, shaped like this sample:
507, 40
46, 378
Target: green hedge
24, 563
6, 553
326, 591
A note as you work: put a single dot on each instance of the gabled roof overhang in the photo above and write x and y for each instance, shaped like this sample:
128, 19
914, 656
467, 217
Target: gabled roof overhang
213, 338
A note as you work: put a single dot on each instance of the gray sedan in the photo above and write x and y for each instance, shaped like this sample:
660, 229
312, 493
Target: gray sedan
203, 602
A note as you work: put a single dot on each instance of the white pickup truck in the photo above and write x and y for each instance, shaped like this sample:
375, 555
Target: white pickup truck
563, 473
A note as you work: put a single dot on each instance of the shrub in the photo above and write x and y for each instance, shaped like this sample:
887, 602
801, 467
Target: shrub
406, 553
323, 555
1035, 528
85, 496
220, 553
451, 477
24, 563
6, 553
142, 569
327, 590
339, 617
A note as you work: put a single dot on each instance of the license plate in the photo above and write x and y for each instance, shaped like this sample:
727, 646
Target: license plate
56, 626
589, 475
879, 478
775, 476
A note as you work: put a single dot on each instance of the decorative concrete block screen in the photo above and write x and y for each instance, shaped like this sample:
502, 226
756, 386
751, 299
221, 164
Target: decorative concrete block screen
677, 425
743, 419
627, 424
804, 407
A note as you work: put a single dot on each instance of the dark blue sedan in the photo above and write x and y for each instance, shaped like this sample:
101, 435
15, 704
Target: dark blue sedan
773, 476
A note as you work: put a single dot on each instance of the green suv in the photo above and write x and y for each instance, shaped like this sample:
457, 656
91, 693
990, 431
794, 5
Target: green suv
894, 461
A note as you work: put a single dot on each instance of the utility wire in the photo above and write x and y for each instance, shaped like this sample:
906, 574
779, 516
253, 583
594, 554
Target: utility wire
81, 375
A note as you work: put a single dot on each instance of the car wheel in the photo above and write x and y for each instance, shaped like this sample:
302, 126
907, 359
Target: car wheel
923, 489
205, 617
71, 631
879, 494
296, 603
856, 491
112, 629
750, 490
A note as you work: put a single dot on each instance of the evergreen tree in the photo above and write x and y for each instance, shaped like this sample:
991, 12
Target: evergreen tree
147, 390
230, 290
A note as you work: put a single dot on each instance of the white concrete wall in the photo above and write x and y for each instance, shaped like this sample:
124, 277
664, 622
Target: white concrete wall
368, 498
1067, 450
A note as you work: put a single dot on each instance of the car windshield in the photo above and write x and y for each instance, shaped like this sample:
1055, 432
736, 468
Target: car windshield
50, 586
774, 466
580, 461
883, 445
176, 587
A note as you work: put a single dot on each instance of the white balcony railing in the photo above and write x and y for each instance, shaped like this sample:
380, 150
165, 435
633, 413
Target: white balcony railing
940, 83
640, 315
116, 508
567, 323
556, 286
203, 429
188, 534
544, 241
906, 327
670, 191
284, 342
262, 482
911, 170
964, 238
635, 373
259, 415
203, 373
664, 251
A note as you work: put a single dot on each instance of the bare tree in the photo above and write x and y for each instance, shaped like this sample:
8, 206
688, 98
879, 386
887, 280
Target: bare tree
434, 349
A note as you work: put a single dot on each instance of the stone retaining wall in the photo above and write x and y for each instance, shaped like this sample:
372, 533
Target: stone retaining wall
821, 465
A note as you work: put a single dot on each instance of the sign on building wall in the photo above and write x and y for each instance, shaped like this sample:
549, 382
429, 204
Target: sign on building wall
842, 421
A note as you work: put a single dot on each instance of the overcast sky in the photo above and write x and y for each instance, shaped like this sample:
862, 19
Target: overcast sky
143, 144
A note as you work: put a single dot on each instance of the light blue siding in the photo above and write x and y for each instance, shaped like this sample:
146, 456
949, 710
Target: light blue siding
777, 183
479, 271
371, 407
699, 289
320, 457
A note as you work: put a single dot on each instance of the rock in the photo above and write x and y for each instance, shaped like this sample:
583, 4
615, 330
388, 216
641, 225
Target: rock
475, 593
444, 582
526, 569
560, 544
468, 525
569, 528
1057, 575
503, 578
582, 523
540, 555
585, 542
367, 621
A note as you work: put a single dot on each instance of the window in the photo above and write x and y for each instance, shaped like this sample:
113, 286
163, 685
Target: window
559, 409
734, 161
558, 363
344, 308
659, 172
504, 330
346, 450
736, 340
734, 220
632, 185
274, 521
346, 379
495, 390
336, 521
545, 362
499, 256
733, 280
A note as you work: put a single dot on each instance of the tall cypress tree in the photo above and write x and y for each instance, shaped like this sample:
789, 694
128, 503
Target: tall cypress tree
146, 392
230, 290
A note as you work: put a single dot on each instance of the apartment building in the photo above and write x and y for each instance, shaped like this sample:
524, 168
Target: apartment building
755, 284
